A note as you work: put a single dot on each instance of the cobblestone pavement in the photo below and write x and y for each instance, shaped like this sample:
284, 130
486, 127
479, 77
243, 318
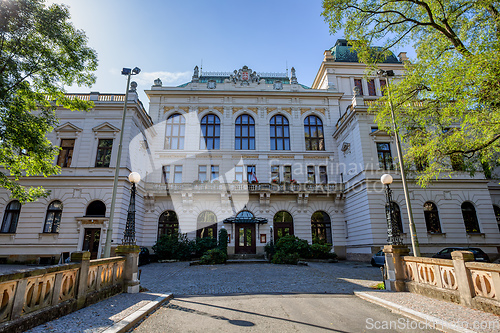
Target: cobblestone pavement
181, 279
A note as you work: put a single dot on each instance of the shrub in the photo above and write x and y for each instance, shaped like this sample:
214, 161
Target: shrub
174, 246
222, 244
270, 250
202, 245
293, 244
322, 251
281, 257
213, 257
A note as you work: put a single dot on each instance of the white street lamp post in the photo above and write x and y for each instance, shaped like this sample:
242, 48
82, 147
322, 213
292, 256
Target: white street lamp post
413, 231
109, 235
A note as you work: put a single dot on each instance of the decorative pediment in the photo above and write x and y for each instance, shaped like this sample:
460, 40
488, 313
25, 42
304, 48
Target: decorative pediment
244, 76
68, 128
106, 127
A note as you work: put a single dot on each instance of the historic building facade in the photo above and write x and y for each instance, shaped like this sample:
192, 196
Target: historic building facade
256, 153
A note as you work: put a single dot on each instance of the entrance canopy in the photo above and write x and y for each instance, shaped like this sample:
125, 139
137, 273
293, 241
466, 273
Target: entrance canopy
245, 216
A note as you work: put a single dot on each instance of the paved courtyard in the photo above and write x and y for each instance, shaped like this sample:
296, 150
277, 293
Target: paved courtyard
332, 278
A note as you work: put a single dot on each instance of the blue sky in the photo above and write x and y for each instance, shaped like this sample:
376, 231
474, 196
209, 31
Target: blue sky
166, 38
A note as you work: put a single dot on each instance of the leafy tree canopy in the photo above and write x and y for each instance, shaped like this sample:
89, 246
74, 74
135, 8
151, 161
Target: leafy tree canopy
40, 51
447, 103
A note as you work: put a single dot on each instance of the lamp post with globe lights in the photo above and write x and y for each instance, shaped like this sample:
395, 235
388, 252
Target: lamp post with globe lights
109, 234
129, 233
393, 232
413, 231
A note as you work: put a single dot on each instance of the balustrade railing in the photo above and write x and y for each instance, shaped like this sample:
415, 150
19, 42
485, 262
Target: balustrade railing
242, 187
473, 284
33, 290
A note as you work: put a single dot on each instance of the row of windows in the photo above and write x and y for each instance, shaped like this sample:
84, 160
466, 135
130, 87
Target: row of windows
246, 173
103, 155
321, 231
244, 137
98, 209
52, 217
433, 224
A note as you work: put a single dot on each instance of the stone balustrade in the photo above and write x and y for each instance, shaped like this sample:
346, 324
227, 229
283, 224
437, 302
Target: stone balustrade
158, 188
33, 296
460, 280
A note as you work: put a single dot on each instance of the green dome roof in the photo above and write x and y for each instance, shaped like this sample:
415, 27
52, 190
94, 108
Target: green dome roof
341, 52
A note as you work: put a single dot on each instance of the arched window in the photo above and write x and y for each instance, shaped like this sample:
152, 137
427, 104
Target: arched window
174, 138
53, 217
96, 208
168, 224
210, 132
11, 217
207, 225
313, 130
245, 215
283, 224
497, 214
396, 215
245, 133
432, 218
321, 228
470, 218
280, 133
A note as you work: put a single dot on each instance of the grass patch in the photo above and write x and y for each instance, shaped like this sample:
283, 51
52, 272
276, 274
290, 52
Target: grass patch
379, 286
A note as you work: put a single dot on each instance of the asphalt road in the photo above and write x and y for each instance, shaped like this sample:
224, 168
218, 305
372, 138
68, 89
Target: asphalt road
275, 313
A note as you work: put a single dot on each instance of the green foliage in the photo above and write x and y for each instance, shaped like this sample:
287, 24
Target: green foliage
40, 51
293, 244
447, 103
222, 245
214, 257
202, 245
289, 249
174, 246
270, 250
321, 251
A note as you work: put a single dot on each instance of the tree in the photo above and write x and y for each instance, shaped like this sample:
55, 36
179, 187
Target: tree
447, 103
40, 51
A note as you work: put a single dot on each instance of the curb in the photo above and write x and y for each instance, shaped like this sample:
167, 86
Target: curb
438, 323
132, 319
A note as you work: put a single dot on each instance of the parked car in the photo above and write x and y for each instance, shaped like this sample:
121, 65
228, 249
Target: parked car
479, 255
378, 259
144, 256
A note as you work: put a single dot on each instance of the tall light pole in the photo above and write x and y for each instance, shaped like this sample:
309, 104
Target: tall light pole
413, 231
109, 235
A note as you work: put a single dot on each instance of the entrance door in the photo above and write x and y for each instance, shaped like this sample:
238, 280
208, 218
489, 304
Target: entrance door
245, 238
91, 241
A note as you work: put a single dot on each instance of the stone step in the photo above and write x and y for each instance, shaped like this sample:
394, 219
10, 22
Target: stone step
246, 261
245, 256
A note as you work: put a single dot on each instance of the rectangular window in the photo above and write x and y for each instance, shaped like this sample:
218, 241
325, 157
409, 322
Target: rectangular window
103, 157
275, 174
166, 174
457, 162
214, 172
384, 155
251, 174
323, 176
66, 153
287, 173
371, 88
374, 129
382, 86
178, 174
311, 177
359, 84
202, 173
238, 173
